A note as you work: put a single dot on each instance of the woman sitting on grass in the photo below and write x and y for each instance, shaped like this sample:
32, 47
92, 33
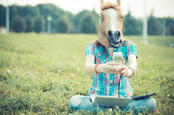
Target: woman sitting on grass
99, 62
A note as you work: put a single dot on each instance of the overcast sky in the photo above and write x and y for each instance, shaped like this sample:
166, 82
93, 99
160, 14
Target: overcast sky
161, 8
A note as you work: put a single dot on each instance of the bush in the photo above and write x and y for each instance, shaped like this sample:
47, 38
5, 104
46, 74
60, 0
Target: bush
29, 24
88, 24
18, 25
62, 25
39, 24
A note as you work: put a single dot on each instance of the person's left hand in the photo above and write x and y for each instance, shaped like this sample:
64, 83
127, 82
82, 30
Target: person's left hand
125, 71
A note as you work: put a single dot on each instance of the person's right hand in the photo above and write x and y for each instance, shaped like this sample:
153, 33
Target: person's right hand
107, 67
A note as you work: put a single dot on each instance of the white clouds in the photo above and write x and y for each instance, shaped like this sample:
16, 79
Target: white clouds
160, 7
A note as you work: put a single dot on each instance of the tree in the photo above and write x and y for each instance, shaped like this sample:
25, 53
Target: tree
18, 25
170, 29
30, 11
29, 24
132, 26
85, 21
39, 24
169, 26
62, 24
2, 15
13, 14
154, 25
50, 9
77, 18
88, 24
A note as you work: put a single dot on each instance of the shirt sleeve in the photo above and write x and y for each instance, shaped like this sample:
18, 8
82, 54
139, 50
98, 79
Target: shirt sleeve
90, 50
132, 50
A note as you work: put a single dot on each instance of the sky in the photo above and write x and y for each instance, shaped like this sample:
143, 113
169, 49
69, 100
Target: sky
161, 8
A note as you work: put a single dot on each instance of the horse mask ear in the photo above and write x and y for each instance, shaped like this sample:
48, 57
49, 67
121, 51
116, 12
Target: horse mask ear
102, 1
118, 2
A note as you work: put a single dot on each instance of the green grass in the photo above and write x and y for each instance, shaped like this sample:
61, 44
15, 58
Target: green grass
39, 73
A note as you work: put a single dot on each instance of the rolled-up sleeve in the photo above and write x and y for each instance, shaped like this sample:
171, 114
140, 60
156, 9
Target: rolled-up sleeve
90, 49
132, 50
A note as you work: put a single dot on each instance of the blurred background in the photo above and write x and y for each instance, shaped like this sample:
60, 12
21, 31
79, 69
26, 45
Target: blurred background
42, 52
80, 16
65, 16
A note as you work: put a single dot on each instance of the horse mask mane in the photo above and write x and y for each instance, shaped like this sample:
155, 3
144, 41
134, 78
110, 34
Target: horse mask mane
110, 24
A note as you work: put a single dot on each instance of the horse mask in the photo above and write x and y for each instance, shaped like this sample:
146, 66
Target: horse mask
110, 24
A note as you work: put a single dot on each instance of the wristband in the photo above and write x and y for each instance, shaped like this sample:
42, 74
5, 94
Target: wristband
96, 69
132, 73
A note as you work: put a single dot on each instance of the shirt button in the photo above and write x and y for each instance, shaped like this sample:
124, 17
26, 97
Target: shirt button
111, 82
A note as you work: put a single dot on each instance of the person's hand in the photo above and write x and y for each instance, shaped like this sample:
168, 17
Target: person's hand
117, 69
125, 71
107, 67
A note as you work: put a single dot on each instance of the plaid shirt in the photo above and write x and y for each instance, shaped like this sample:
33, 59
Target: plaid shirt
107, 83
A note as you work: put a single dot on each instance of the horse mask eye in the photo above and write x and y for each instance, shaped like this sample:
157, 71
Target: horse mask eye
101, 17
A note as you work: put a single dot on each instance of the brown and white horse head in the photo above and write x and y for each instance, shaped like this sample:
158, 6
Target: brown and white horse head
110, 24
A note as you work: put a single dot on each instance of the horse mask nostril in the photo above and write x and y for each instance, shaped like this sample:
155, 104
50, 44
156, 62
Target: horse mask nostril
110, 33
117, 34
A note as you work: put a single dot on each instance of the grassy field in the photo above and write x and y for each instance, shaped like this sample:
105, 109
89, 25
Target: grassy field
39, 73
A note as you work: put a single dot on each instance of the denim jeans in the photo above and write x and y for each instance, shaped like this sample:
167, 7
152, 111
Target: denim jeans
80, 102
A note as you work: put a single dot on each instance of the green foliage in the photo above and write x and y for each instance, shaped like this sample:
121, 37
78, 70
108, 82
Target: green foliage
18, 25
77, 19
50, 9
132, 26
39, 73
29, 24
83, 22
169, 23
62, 24
88, 24
170, 29
39, 23
2, 19
30, 11
154, 26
